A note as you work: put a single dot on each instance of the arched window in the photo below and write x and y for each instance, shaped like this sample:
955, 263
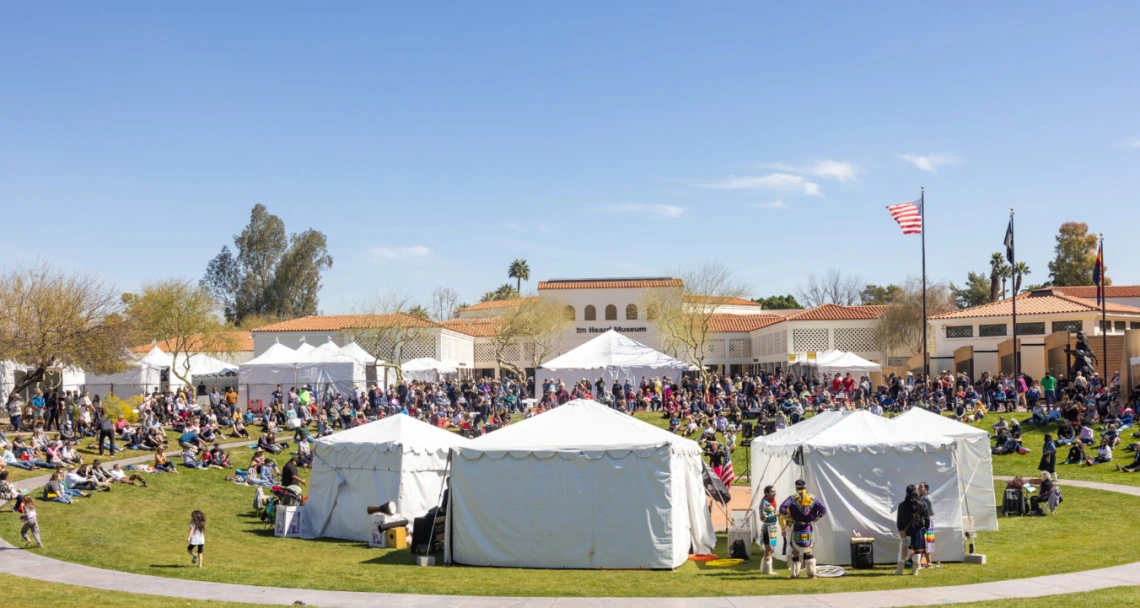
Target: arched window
591, 313
631, 312
569, 312
611, 312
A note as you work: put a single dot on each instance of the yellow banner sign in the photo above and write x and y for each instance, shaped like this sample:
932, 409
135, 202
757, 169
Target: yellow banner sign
811, 355
791, 358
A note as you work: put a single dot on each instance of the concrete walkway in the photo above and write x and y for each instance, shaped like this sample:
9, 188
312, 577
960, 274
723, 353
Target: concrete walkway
30, 565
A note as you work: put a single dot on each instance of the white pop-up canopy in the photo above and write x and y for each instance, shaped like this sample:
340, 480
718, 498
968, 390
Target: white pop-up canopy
200, 364
842, 362
580, 486
397, 459
319, 367
426, 369
859, 465
975, 461
611, 356
140, 378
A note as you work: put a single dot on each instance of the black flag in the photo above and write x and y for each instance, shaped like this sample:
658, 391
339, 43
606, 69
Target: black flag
1009, 242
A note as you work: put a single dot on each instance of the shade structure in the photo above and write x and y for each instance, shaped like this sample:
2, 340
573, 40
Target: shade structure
427, 369
320, 367
138, 379
580, 486
842, 362
859, 465
200, 365
975, 461
611, 356
398, 459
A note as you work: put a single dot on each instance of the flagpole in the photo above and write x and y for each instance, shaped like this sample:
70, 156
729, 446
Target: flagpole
1013, 275
1103, 313
925, 355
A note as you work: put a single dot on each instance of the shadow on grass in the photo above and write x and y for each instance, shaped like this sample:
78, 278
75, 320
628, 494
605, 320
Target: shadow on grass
400, 557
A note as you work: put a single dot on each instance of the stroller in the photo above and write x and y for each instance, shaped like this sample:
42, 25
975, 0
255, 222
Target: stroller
280, 496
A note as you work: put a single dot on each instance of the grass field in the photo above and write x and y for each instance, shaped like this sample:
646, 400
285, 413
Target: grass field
143, 530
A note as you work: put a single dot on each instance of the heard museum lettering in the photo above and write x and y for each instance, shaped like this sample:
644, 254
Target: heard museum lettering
602, 330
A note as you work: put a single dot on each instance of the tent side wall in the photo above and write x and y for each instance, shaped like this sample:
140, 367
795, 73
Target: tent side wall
976, 472
862, 489
563, 510
609, 374
340, 489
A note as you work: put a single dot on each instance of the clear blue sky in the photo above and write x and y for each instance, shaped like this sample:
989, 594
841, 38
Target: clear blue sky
434, 143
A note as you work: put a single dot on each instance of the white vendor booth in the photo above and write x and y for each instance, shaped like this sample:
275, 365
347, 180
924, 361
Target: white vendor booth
317, 366
859, 465
138, 379
426, 369
841, 362
975, 461
397, 459
580, 486
611, 356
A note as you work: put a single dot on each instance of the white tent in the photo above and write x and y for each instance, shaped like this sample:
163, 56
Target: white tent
859, 465
975, 461
200, 365
841, 362
282, 365
426, 369
374, 370
138, 379
398, 459
611, 356
581, 486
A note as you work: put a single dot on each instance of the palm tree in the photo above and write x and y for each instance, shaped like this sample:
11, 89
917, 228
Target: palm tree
519, 270
1020, 269
996, 262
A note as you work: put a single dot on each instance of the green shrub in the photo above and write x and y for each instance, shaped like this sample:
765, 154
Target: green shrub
113, 407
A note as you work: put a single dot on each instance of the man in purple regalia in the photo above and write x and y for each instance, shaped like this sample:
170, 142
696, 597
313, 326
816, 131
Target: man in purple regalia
802, 510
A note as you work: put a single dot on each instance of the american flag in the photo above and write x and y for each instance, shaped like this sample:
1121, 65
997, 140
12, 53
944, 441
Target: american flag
908, 215
726, 474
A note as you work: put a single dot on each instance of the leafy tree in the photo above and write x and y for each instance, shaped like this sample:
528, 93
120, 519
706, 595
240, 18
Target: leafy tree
998, 270
1074, 256
183, 316
50, 320
787, 302
873, 294
519, 270
538, 322
506, 291
271, 275
975, 292
1020, 269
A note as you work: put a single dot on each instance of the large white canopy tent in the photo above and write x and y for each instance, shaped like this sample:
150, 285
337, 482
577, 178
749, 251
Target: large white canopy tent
200, 365
859, 465
398, 459
611, 356
581, 486
140, 378
427, 369
320, 367
975, 461
842, 362
375, 369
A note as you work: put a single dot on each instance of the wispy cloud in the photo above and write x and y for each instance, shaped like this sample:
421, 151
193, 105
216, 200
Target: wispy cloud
784, 182
399, 253
823, 169
771, 205
661, 210
1136, 144
930, 162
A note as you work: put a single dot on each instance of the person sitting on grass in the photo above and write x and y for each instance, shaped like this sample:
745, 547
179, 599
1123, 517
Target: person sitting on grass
1065, 434
1076, 454
80, 479
1126, 419
1132, 468
304, 452
189, 460
57, 490
11, 460
217, 457
189, 440
238, 429
1111, 435
8, 492
161, 463
1086, 436
68, 454
1103, 454
268, 443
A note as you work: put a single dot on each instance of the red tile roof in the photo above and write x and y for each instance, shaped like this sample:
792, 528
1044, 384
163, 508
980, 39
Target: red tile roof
339, 322
719, 300
610, 283
1040, 302
835, 312
1088, 292
238, 341
493, 304
480, 328
727, 323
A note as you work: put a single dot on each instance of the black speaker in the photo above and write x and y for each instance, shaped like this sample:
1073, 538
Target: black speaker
862, 556
746, 429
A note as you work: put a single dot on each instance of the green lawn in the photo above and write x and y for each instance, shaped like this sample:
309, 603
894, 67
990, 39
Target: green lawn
143, 530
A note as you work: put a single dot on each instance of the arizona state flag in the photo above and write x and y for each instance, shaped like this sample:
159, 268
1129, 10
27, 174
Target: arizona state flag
1098, 274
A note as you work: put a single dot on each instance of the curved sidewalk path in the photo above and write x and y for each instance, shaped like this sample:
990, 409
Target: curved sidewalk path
30, 565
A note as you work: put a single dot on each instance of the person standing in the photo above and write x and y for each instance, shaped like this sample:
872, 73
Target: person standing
197, 537
924, 493
31, 523
911, 524
803, 509
1048, 464
51, 405
107, 431
15, 410
770, 528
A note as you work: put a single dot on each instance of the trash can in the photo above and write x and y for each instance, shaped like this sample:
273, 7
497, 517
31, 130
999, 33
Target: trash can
862, 553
